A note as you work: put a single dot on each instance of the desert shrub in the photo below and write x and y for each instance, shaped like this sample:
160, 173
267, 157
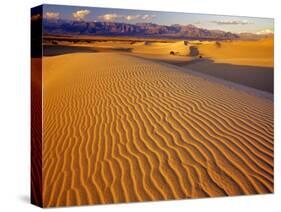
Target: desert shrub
193, 51
218, 44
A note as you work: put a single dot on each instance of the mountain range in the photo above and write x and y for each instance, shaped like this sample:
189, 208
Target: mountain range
176, 31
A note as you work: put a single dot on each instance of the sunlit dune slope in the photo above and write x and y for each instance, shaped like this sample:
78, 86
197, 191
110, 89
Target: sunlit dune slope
145, 47
121, 129
252, 53
179, 48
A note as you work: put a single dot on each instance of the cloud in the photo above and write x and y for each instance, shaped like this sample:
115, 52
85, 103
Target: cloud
148, 17
233, 22
264, 32
80, 14
118, 17
110, 17
131, 17
52, 15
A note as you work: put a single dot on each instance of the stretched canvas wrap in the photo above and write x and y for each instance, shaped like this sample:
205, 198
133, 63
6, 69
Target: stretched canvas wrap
133, 105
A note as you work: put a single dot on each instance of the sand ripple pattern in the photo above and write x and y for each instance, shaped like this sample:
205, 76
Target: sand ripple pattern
122, 129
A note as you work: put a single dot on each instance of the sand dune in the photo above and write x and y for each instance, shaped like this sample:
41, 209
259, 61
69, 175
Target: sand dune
257, 53
119, 129
248, 63
141, 47
251, 53
178, 48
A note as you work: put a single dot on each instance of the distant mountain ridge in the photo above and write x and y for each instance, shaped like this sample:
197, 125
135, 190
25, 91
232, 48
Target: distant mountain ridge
140, 29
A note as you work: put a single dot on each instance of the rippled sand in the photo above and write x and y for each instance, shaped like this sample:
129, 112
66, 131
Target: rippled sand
117, 128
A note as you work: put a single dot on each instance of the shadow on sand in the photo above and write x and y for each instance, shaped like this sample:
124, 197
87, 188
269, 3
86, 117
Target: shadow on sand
261, 78
253, 76
54, 50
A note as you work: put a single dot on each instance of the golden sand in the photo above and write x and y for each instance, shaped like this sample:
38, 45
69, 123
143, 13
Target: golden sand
119, 129
252, 53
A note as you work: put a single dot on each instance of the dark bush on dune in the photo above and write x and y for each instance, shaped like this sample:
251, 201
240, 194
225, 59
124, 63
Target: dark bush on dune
172, 53
193, 51
218, 44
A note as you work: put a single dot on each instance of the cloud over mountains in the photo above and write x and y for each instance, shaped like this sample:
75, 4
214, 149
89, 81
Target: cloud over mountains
52, 15
119, 17
80, 14
232, 22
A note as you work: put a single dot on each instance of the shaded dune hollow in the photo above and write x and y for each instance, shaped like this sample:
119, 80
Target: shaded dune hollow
117, 128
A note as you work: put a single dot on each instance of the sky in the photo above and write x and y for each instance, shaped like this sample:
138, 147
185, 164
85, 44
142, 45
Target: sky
236, 24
